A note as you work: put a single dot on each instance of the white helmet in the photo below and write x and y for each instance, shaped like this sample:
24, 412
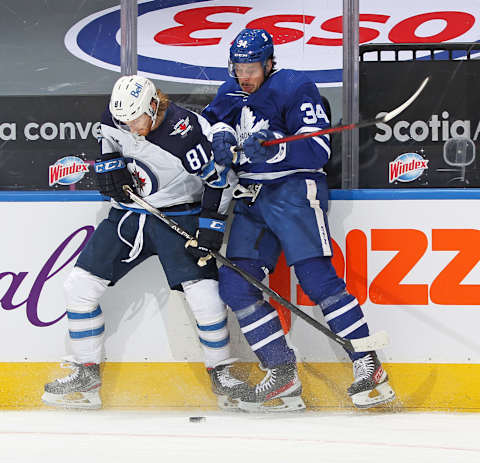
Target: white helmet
131, 97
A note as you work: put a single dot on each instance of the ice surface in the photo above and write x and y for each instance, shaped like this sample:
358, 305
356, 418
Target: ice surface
159, 436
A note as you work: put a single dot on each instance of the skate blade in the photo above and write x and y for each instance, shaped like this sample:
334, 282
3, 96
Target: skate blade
280, 404
76, 400
384, 395
225, 403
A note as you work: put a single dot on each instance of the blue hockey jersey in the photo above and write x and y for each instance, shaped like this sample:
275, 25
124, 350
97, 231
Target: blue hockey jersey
287, 103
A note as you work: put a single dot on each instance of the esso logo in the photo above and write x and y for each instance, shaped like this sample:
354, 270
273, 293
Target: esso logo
188, 41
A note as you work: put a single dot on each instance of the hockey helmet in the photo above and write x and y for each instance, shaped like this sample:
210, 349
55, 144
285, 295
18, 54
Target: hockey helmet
250, 46
131, 97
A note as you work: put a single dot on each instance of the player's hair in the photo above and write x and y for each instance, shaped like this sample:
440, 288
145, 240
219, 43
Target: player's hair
274, 64
163, 101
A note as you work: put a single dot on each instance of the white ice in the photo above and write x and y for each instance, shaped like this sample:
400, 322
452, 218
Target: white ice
157, 436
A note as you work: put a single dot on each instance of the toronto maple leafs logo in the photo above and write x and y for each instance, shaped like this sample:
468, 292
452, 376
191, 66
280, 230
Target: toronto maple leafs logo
246, 127
182, 127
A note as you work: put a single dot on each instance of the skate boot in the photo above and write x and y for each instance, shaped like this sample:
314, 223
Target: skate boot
226, 387
281, 384
80, 389
370, 376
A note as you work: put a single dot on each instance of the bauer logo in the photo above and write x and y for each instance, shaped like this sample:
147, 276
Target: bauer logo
188, 41
67, 171
407, 167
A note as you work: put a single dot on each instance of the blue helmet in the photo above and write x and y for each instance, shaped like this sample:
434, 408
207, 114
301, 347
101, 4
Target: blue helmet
251, 46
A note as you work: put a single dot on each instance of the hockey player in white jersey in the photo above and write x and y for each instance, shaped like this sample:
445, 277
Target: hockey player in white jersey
163, 152
287, 211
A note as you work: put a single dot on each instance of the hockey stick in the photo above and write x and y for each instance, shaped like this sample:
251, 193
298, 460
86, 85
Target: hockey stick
340, 128
373, 342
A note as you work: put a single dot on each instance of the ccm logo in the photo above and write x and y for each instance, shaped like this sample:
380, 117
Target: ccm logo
108, 166
217, 225
385, 287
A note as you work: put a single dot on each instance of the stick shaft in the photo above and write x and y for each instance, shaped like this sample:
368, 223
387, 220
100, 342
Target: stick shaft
340, 128
346, 343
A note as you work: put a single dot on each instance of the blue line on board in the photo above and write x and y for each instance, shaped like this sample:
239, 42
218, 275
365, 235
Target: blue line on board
359, 195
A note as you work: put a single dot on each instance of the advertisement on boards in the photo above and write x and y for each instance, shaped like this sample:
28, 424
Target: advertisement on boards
434, 142
415, 274
51, 142
188, 41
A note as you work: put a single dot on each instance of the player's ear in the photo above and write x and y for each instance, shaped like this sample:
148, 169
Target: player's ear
268, 66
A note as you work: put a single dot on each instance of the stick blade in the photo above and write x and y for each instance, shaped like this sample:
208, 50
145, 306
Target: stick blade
407, 103
373, 342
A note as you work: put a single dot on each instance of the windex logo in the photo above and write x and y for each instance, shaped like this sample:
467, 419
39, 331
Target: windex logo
406, 167
67, 171
437, 128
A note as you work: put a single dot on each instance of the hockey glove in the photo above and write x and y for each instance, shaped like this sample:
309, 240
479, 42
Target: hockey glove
256, 152
112, 173
222, 144
211, 227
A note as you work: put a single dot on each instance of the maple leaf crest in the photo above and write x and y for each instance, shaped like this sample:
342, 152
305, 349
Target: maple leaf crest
246, 127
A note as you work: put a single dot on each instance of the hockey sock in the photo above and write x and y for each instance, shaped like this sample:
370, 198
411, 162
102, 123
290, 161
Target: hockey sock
211, 316
86, 324
258, 320
262, 329
342, 311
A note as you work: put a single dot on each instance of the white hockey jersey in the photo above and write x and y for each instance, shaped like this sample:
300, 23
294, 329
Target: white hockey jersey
168, 163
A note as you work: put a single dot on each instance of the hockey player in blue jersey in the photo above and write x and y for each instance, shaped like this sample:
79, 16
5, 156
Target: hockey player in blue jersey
283, 207
164, 153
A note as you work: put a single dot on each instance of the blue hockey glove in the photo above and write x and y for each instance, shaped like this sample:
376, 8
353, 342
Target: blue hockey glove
222, 143
112, 173
257, 152
211, 227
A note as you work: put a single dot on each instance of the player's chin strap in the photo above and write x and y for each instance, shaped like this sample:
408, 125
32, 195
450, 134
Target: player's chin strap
373, 342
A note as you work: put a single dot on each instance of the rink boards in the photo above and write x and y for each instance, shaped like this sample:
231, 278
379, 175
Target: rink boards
410, 257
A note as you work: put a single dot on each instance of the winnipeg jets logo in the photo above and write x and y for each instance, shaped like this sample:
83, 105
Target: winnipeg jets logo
246, 127
139, 179
182, 127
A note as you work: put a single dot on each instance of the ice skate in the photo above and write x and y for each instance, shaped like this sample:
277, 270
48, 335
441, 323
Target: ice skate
369, 377
226, 387
281, 384
80, 389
